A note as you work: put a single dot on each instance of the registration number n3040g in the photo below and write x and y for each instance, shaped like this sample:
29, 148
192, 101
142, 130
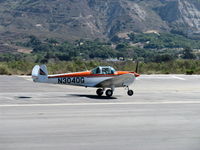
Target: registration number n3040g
73, 80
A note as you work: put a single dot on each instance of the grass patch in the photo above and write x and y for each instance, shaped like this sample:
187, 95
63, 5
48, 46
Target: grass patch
188, 67
4, 70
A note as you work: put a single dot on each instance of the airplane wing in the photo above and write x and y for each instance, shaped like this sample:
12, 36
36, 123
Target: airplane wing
119, 81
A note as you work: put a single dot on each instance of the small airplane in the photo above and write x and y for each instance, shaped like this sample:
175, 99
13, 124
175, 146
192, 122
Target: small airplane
101, 77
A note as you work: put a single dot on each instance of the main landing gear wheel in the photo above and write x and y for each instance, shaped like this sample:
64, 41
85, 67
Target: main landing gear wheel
130, 92
109, 93
99, 92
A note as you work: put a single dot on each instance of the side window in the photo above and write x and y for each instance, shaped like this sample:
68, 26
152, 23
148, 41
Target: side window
106, 71
98, 70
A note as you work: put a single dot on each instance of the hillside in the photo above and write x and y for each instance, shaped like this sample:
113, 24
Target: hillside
91, 19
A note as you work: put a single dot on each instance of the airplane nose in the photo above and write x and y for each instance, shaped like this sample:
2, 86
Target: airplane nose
136, 74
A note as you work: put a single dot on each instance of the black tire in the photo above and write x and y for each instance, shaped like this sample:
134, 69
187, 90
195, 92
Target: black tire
99, 92
130, 92
109, 93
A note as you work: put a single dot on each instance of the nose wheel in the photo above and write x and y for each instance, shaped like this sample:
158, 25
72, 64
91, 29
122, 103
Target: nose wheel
130, 92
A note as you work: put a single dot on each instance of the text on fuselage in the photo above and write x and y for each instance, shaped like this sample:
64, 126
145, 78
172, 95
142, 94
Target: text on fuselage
71, 80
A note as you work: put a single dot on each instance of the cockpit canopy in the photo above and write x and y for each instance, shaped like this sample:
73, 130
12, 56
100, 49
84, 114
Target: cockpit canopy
103, 70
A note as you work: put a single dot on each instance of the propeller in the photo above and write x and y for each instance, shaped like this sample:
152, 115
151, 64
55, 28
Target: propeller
137, 66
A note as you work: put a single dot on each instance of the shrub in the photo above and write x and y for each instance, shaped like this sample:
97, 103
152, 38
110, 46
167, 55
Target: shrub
4, 70
189, 72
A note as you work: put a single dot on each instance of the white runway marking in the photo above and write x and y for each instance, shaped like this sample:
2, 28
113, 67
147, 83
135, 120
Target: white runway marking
96, 104
175, 77
26, 78
9, 98
161, 77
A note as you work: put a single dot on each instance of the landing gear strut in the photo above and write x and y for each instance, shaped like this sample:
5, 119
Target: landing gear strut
99, 92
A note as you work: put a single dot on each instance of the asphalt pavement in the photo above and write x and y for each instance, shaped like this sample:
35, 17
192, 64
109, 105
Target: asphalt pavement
164, 114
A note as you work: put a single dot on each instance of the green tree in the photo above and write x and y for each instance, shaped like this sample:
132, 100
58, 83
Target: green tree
34, 41
188, 53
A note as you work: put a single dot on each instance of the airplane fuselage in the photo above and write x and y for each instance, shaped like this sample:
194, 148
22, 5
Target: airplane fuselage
86, 79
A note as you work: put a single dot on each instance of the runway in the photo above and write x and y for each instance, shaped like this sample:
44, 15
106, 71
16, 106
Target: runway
163, 114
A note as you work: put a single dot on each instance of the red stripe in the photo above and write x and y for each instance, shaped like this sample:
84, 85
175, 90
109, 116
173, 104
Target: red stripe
92, 75
89, 74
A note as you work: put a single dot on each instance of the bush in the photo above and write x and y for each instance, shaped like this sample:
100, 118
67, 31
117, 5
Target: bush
189, 72
4, 70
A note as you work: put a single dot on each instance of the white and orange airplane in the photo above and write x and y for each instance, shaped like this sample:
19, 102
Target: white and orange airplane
102, 77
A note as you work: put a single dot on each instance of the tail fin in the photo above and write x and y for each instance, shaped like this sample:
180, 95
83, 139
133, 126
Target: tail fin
39, 73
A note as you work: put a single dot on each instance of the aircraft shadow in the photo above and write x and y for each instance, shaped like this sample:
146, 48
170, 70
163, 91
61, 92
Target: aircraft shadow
93, 96
24, 97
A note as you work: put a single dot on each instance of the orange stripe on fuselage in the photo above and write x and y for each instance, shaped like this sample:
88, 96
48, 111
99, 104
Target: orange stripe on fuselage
127, 72
89, 74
